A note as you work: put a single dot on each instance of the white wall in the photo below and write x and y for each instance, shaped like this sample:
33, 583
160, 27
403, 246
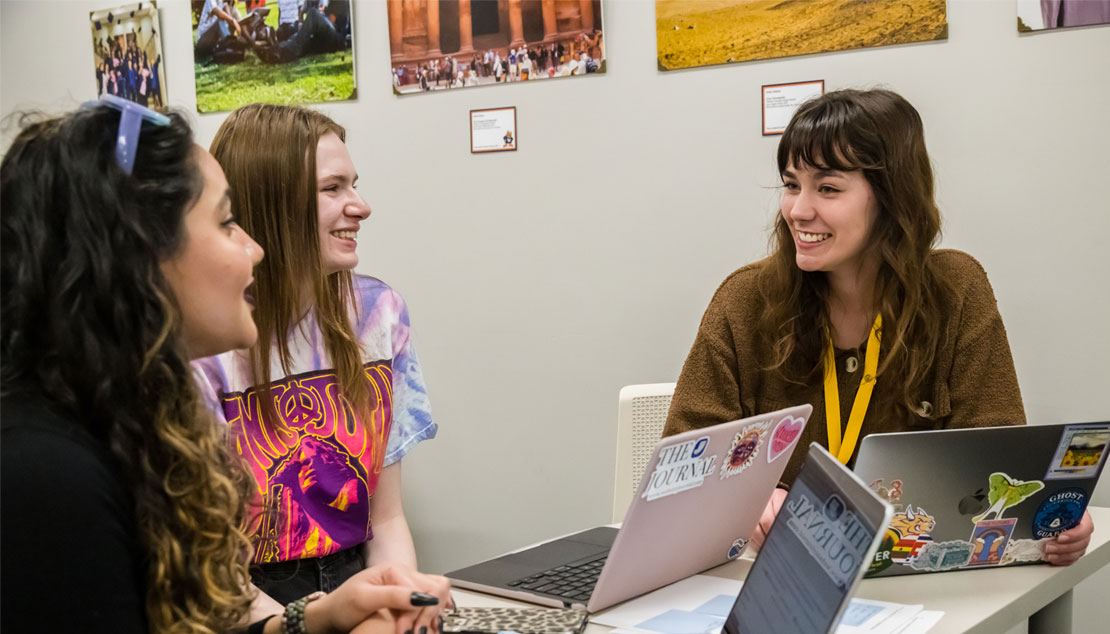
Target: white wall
541, 281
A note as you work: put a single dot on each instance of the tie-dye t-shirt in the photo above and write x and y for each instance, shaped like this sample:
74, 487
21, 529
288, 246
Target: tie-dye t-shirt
319, 472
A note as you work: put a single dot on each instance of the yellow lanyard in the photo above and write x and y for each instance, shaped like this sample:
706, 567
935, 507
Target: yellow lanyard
843, 452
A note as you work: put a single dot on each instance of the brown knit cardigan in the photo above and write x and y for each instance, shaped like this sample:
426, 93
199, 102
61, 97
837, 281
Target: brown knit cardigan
972, 384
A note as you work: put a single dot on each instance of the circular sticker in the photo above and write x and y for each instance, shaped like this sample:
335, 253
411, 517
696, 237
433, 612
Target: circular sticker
1059, 512
883, 555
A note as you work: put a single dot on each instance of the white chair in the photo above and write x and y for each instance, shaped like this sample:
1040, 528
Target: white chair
640, 417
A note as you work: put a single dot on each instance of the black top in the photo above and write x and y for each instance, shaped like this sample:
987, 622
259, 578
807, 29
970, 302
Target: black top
70, 559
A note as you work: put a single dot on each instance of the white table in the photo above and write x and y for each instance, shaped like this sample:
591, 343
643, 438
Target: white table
984, 601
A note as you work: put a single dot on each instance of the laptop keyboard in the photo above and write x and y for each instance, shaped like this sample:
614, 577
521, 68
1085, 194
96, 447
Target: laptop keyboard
574, 582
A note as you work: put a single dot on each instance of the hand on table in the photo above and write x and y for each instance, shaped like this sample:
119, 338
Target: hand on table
402, 592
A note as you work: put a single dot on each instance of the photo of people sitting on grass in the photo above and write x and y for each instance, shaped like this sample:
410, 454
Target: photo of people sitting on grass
272, 51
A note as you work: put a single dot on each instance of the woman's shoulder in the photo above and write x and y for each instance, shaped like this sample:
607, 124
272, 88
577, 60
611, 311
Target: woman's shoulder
55, 451
372, 292
740, 286
959, 269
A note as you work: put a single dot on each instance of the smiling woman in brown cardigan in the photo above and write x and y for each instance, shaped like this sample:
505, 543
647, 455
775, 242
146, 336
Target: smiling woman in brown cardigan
855, 303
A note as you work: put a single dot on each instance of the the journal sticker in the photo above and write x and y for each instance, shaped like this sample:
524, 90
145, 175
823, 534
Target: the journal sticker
1081, 450
680, 468
831, 533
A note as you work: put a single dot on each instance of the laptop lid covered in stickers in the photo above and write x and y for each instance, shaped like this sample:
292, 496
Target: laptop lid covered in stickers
815, 554
982, 497
698, 503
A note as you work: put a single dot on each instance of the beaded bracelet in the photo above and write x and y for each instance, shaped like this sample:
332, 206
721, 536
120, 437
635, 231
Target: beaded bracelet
292, 622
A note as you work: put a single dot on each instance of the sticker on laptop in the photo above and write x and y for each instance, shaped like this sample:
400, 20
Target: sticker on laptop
680, 467
737, 548
1081, 451
830, 532
989, 539
1004, 493
891, 494
1023, 551
884, 555
1059, 512
745, 447
786, 433
937, 556
913, 528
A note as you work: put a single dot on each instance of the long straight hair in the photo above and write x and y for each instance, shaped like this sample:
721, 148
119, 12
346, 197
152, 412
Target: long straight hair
268, 153
91, 327
880, 134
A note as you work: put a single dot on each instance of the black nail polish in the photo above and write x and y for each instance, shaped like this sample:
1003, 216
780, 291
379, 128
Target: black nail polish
423, 630
408, 631
421, 599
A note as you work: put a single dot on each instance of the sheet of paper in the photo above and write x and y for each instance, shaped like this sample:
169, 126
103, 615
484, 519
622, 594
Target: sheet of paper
701, 603
781, 100
688, 594
493, 130
922, 622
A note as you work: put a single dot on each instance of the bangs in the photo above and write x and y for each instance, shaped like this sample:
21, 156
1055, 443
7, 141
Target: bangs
819, 137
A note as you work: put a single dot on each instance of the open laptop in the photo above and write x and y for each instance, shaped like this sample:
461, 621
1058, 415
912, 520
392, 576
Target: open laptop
821, 543
697, 505
973, 498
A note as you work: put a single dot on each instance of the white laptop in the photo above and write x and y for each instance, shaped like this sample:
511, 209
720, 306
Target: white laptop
698, 503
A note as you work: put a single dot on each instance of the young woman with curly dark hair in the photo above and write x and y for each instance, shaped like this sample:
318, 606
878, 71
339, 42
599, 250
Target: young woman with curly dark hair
855, 309
122, 508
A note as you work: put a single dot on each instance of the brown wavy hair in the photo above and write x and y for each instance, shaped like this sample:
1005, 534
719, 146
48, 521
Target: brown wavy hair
268, 153
880, 134
91, 328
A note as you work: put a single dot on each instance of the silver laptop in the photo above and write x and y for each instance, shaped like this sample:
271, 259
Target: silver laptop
697, 505
975, 498
820, 545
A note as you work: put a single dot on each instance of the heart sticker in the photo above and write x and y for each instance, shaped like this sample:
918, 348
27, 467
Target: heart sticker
786, 432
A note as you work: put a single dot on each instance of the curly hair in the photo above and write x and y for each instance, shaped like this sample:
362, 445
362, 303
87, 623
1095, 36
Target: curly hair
268, 153
90, 325
880, 134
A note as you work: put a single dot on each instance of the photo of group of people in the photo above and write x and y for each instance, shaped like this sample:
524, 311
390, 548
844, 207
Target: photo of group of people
445, 44
127, 53
272, 51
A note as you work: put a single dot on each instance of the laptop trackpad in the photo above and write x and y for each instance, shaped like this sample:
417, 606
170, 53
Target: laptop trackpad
528, 562
567, 549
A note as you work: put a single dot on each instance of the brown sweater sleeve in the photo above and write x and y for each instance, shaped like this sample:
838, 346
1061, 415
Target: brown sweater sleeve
708, 389
983, 387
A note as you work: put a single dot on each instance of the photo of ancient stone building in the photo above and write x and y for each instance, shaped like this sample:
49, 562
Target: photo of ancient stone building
447, 44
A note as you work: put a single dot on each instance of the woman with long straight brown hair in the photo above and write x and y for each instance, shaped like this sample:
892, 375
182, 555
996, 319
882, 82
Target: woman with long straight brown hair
325, 405
855, 308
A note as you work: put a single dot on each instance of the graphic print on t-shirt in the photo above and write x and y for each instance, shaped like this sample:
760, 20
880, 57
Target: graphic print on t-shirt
315, 475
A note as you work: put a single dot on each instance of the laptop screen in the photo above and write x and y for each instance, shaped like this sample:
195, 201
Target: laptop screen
820, 544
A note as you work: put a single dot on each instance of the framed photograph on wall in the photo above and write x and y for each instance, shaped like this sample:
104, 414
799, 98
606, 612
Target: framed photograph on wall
266, 51
693, 33
127, 53
447, 44
1043, 15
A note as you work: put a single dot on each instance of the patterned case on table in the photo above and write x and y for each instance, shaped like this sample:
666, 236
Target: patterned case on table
516, 620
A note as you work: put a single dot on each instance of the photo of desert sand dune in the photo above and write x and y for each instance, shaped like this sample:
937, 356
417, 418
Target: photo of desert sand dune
703, 32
